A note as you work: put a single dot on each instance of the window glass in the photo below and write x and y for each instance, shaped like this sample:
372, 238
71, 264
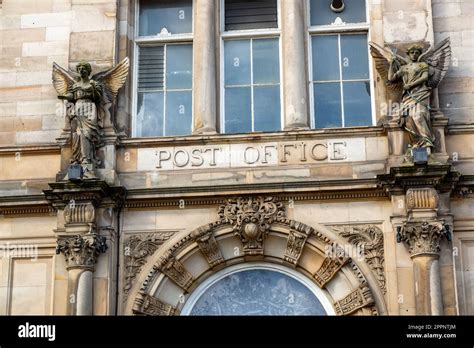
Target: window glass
237, 62
354, 56
178, 113
150, 114
179, 66
238, 110
327, 100
325, 58
266, 109
266, 61
322, 14
173, 16
357, 110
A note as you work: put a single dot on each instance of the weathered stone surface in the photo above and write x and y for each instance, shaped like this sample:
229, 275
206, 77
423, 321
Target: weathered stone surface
80, 48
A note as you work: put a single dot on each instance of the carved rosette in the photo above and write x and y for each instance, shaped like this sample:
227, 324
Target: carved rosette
422, 198
251, 219
137, 248
368, 241
176, 272
79, 212
149, 305
81, 251
207, 243
330, 266
423, 237
359, 298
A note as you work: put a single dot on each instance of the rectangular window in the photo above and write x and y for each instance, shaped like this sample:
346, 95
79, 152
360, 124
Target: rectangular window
251, 66
254, 14
164, 71
340, 78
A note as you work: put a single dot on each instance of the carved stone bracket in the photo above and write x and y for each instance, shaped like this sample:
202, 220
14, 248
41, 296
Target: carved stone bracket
137, 248
251, 219
294, 246
208, 245
422, 198
81, 251
330, 266
359, 298
422, 237
368, 239
149, 305
177, 273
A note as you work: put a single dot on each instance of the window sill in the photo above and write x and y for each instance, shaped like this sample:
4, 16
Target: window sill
291, 135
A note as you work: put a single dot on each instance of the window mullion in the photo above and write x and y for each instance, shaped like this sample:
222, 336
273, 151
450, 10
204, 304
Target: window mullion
340, 79
251, 87
165, 90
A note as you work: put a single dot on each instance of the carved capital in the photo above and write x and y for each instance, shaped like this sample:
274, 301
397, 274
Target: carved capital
357, 299
251, 218
422, 198
81, 251
422, 237
80, 212
149, 305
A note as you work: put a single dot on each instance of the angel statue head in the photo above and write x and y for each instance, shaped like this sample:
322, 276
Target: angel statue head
411, 81
90, 100
84, 69
414, 52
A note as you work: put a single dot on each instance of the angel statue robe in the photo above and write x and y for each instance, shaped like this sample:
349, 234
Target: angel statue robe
86, 133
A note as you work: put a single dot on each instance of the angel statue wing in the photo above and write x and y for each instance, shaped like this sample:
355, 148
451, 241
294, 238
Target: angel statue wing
382, 58
438, 60
63, 79
111, 81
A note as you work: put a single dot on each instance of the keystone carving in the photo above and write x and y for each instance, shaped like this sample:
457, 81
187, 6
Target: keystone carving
207, 243
330, 266
294, 246
177, 273
81, 251
251, 219
422, 237
357, 299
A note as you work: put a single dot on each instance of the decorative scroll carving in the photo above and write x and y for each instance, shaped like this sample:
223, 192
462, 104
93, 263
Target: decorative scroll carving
330, 266
176, 272
294, 246
422, 237
422, 198
251, 219
368, 239
149, 305
137, 248
357, 299
79, 212
81, 251
207, 243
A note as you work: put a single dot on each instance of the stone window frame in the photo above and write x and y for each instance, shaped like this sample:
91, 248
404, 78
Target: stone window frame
351, 28
247, 34
186, 38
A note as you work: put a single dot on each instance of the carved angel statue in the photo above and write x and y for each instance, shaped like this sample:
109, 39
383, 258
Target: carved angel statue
91, 98
411, 80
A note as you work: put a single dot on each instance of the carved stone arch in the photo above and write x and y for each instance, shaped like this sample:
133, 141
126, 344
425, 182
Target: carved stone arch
255, 230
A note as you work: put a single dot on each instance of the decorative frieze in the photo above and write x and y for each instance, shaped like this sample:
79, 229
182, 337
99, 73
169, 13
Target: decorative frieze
81, 251
357, 299
423, 237
422, 198
368, 241
149, 305
251, 218
207, 243
137, 249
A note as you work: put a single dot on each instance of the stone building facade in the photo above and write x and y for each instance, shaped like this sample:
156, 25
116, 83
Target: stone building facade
198, 213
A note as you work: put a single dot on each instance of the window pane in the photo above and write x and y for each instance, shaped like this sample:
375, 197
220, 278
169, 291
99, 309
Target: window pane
237, 62
179, 66
238, 115
325, 58
266, 61
178, 113
267, 108
354, 57
151, 68
357, 109
174, 15
253, 14
327, 105
150, 114
321, 13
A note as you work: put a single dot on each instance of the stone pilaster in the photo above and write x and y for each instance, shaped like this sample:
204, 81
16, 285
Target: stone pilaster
294, 58
204, 67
